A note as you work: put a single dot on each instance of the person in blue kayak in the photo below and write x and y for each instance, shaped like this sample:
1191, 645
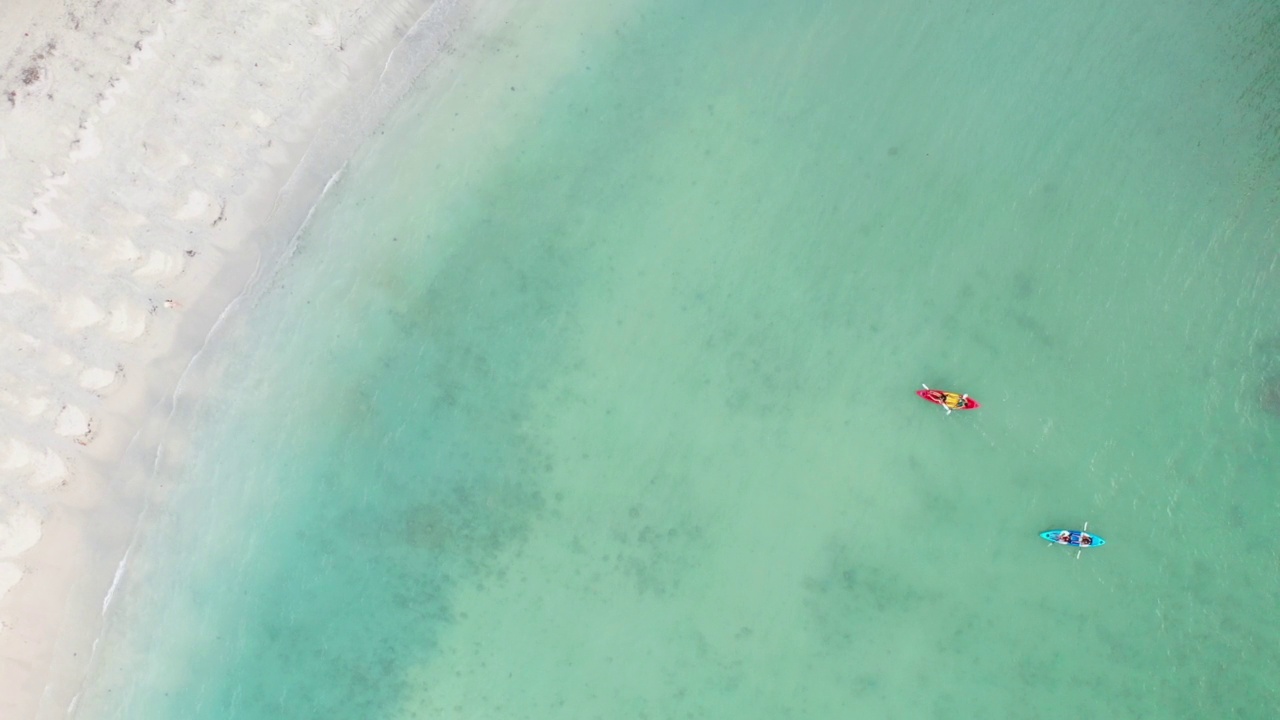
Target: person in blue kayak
1064, 537
1085, 540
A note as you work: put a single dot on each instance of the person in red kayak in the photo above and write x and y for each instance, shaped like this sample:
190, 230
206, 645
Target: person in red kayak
948, 400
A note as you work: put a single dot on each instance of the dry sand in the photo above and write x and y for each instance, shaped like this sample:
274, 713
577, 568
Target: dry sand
150, 154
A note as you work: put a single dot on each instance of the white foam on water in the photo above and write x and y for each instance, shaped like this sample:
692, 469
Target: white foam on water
115, 582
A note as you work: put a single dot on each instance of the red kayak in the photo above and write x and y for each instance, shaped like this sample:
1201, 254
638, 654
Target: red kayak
949, 400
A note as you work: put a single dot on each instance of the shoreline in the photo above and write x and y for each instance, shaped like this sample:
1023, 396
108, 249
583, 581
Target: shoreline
134, 225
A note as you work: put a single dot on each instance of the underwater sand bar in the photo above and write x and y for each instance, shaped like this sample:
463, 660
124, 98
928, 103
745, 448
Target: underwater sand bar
152, 157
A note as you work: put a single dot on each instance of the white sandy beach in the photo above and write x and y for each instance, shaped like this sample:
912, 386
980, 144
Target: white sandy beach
150, 154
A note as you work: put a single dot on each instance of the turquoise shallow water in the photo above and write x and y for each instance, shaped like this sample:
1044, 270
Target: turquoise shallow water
588, 390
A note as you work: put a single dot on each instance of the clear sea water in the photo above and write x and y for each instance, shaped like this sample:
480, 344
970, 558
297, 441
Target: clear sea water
588, 390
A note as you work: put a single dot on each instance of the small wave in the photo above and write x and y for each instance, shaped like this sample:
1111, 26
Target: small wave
115, 582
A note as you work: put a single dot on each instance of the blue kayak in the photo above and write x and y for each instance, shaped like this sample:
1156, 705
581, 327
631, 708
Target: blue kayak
1074, 538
